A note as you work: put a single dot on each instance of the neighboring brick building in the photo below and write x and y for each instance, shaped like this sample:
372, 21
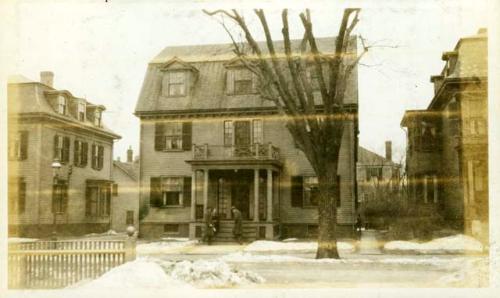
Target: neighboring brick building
60, 161
209, 140
125, 194
378, 176
447, 153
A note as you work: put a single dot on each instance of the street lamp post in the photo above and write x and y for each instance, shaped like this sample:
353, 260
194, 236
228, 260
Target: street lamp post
56, 186
56, 167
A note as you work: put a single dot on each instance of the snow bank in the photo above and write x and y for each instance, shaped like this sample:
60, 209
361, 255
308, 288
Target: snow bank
209, 274
164, 246
21, 240
291, 246
139, 274
453, 244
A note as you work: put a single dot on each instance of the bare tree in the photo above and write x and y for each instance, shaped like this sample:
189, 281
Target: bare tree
315, 123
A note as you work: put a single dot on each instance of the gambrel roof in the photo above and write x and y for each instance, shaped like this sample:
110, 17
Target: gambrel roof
208, 90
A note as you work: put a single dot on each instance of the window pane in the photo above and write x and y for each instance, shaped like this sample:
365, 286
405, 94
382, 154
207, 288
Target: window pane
257, 132
243, 86
172, 198
228, 133
176, 77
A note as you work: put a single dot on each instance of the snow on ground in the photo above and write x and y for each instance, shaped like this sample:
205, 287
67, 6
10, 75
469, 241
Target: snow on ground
154, 273
291, 246
166, 245
470, 273
245, 257
139, 274
452, 244
21, 240
209, 274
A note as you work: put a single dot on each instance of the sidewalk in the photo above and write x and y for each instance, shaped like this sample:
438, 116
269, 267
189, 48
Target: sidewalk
369, 244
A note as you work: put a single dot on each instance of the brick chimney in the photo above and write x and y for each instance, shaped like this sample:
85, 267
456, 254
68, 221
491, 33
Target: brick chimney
388, 150
47, 78
130, 155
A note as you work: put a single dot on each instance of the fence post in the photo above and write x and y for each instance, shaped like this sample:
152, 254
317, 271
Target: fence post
129, 244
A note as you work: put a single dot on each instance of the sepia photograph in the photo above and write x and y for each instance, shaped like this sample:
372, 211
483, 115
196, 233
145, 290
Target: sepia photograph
244, 148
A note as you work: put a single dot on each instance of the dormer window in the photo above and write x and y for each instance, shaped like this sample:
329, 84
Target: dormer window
62, 105
97, 117
81, 111
176, 84
240, 81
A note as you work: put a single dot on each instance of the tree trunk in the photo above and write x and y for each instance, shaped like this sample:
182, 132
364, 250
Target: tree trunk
327, 213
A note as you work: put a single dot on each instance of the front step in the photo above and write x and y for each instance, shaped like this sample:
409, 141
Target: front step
225, 232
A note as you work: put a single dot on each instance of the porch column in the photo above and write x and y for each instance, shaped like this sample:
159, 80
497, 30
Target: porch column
193, 196
205, 192
256, 195
269, 195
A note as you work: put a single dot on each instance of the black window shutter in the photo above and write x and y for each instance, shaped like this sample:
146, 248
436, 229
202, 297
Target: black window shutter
187, 131
186, 193
159, 137
338, 191
21, 205
84, 154
108, 199
100, 157
76, 153
24, 145
56, 146
155, 192
297, 190
87, 201
65, 153
93, 159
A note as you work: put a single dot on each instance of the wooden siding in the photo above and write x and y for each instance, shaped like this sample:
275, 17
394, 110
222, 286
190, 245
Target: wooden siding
210, 130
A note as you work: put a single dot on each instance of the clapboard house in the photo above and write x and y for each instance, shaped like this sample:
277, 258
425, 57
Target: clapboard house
209, 140
60, 161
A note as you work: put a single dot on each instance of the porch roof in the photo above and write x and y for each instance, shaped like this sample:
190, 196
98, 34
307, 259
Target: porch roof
236, 164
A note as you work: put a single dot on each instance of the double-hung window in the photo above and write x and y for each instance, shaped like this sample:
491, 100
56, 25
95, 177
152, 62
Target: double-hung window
81, 110
257, 133
62, 105
168, 191
228, 133
243, 82
17, 196
61, 148
173, 135
240, 81
176, 83
171, 191
80, 151
97, 117
97, 156
98, 199
311, 191
18, 146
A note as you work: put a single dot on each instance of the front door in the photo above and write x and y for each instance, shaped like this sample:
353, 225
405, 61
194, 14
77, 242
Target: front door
240, 196
242, 138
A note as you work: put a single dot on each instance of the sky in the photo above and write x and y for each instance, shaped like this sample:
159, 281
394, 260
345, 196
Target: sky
100, 50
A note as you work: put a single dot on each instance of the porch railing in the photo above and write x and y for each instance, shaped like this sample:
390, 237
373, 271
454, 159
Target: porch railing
56, 264
249, 152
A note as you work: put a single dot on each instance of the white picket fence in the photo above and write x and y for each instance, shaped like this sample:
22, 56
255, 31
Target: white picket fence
57, 264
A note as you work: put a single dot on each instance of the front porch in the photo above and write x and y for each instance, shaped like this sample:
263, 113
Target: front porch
252, 189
